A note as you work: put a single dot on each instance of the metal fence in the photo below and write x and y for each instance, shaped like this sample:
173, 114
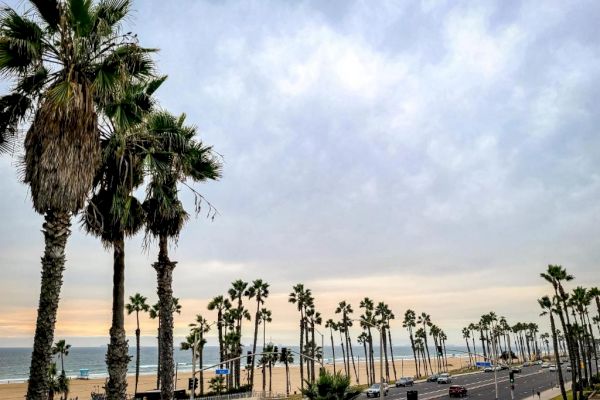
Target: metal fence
246, 395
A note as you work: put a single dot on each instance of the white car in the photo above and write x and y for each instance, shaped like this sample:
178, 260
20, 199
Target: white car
374, 390
545, 365
444, 378
552, 368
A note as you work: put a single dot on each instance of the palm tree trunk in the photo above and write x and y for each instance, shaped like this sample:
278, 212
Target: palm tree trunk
270, 376
427, 349
412, 346
256, 321
117, 355
220, 333
392, 352
332, 349
385, 353
201, 361
56, 232
561, 380
371, 359
287, 378
264, 372
352, 356
164, 271
301, 351
313, 347
367, 363
137, 354
343, 354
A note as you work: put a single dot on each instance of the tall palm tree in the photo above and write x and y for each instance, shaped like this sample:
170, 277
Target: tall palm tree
137, 303
236, 294
220, 304
299, 296
113, 212
548, 307
425, 320
556, 275
331, 325
66, 58
199, 329
260, 291
467, 335
178, 158
265, 317
346, 310
369, 321
410, 323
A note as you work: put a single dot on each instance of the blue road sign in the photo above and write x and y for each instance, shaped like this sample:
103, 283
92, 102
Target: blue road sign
223, 371
483, 364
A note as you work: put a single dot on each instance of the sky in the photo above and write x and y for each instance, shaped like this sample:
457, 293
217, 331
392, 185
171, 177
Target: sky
435, 155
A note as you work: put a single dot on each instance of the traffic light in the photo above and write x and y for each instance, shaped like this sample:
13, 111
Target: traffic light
192, 383
249, 358
275, 349
283, 355
511, 377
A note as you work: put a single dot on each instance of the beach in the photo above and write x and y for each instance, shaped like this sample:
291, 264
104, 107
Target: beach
81, 389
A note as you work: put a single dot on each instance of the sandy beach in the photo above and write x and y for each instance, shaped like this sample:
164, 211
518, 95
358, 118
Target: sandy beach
81, 389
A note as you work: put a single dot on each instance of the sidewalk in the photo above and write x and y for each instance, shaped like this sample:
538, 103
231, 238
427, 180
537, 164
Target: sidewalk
550, 394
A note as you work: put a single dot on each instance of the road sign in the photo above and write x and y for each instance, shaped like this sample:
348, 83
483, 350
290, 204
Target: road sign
223, 371
483, 364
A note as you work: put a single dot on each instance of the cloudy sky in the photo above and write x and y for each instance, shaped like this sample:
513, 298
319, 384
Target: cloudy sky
436, 155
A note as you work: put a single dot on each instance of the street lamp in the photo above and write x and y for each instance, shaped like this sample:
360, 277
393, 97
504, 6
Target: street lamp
322, 344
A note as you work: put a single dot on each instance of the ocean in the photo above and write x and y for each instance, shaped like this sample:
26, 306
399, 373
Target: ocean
14, 362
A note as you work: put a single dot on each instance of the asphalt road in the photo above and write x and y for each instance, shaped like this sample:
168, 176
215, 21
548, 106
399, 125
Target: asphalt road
481, 385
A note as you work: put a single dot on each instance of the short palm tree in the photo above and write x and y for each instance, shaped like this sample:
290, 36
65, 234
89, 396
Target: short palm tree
137, 304
178, 158
62, 349
220, 304
67, 57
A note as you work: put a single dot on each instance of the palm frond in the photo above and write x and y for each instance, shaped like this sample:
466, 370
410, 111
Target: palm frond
80, 12
13, 108
20, 42
48, 11
109, 13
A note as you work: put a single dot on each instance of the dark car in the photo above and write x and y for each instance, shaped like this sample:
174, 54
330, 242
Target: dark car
517, 369
405, 381
457, 391
433, 378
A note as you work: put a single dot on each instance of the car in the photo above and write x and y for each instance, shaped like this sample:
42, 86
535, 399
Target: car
504, 367
488, 369
457, 391
545, 365
375, 391
527, 364
433, 378
517, 369
538, 362
405, 381
552, 368
568, 368
444, 378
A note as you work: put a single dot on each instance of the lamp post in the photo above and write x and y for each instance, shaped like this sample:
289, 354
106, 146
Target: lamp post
322, 345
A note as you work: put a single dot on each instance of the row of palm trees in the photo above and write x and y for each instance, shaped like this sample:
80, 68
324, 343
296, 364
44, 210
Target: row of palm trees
499, 340
84, 92
417, 326
573, 312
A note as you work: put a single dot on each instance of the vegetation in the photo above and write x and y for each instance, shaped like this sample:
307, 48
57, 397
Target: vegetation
330, 387
137, 305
